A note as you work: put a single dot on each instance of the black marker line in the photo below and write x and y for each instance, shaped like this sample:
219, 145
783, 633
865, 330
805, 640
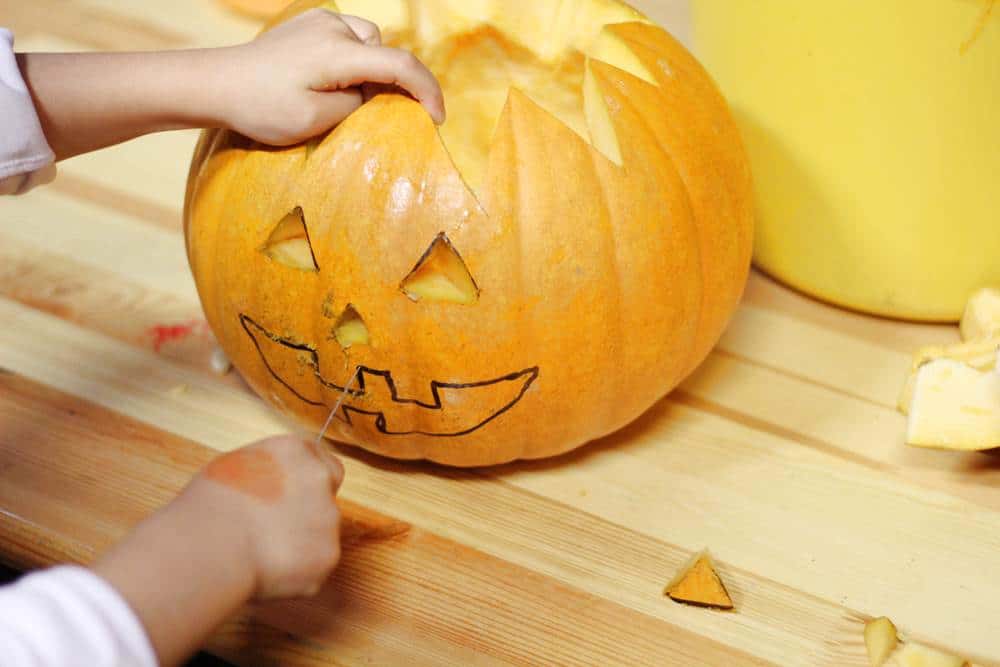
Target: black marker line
380, 420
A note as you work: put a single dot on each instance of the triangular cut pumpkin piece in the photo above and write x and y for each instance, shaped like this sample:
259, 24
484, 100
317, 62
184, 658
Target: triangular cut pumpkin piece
700, 585
441, 275
350, 329
289, 243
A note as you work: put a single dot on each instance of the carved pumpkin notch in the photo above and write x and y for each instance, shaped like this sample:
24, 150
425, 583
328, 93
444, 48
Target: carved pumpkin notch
289, 243
351, 329
441, 275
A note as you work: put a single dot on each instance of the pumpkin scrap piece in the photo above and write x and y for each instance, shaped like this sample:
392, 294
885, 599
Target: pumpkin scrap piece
955, 407
978, 354
918, 655
981, 318
881, 639
699, 585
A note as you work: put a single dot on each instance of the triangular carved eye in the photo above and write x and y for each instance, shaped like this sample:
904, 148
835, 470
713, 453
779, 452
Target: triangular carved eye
441, 275
289, 243
350, 329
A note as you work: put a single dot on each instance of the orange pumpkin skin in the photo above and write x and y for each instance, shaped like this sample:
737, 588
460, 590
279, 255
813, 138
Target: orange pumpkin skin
600, 286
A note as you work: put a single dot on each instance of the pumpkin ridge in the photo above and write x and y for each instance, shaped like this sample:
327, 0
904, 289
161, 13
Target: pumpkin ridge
612, 383
628, 101
728, 152
528, 333
640, 133
612, 343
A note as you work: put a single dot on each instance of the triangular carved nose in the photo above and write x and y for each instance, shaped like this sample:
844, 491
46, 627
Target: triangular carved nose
350, 329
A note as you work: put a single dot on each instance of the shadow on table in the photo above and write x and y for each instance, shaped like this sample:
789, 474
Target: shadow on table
621, 440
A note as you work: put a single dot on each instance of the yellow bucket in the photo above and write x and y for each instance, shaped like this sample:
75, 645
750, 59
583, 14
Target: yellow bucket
874, 132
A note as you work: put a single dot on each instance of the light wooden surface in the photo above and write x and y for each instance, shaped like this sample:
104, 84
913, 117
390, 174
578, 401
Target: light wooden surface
783, 454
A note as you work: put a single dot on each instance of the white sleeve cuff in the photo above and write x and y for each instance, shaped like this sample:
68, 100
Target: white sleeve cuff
68, 615
25, 156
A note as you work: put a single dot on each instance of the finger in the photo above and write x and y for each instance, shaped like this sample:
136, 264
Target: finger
365, 30
361, 64
370, 90
335, 22
334, 107
336, 469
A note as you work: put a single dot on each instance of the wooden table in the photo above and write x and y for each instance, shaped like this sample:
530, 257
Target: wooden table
783, 454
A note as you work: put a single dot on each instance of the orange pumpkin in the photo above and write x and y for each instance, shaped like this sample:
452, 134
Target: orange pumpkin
561, 255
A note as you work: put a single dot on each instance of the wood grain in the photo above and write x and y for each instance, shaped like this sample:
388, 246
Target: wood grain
469, 602
783, 454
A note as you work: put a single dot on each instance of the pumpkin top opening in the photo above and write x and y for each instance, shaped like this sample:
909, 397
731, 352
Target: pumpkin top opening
479, 50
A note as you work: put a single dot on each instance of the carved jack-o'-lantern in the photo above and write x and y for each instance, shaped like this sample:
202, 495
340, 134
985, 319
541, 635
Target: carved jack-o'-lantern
536, 275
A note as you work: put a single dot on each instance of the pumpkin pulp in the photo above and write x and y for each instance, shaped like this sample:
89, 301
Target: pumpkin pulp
480, 50
476, 70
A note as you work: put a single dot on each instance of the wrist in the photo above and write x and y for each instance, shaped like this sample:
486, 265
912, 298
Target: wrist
183, 571
212, 532
206, 91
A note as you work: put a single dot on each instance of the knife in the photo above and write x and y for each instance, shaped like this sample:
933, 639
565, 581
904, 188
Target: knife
340, 401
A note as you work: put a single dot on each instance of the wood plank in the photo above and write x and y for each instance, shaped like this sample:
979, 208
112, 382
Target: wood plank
829, 358
112, 25
813, 415
101, 300
111, 197
765, 292
783, 512
98, 29
61, 285
649, 558
759, 482
470, 606
202, 23
101, 238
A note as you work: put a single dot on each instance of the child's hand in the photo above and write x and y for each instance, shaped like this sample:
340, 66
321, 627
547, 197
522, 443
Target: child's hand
260, 522
294, 82
283, 492
303, 77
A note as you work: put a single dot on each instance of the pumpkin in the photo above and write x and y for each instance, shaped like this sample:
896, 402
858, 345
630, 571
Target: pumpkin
535, 275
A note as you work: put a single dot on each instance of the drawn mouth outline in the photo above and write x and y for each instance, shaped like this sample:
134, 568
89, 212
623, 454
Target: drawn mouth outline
527, 376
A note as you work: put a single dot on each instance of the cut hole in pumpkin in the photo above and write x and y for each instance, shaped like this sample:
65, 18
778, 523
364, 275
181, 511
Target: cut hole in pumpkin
289, 243
350, 329
441, 275
480, 49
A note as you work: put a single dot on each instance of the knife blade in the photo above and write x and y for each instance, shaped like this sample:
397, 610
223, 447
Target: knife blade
340, 401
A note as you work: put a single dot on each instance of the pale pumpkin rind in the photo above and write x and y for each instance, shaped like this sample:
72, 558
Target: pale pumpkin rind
600, 286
